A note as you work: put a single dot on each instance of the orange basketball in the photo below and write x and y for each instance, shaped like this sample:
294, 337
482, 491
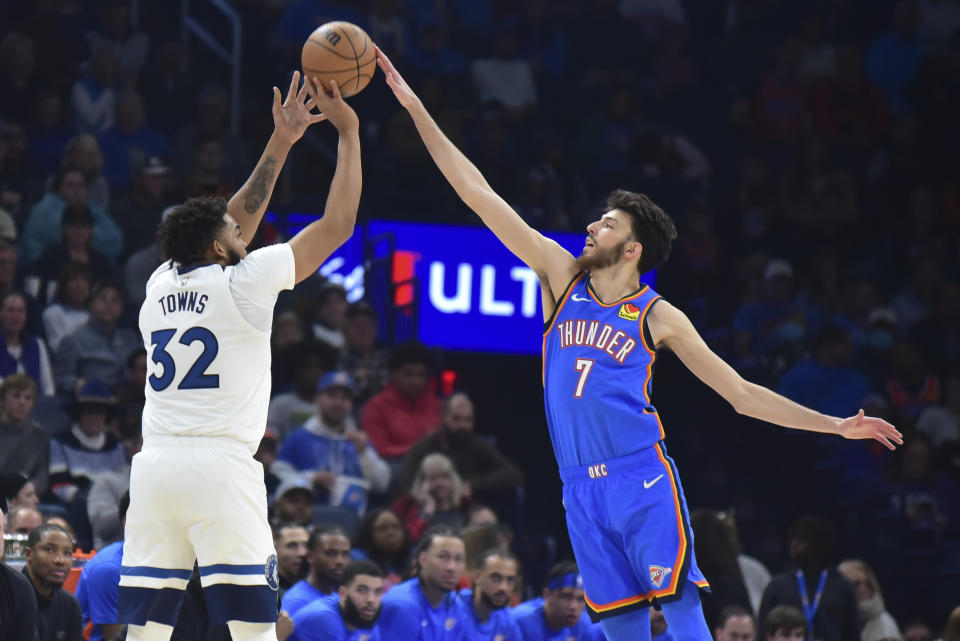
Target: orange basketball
340, 51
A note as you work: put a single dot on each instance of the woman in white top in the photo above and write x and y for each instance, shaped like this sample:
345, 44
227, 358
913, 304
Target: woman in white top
69, 311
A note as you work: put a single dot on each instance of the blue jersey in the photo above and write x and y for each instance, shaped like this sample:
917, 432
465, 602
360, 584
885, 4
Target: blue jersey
499, 627
322, 621
98, 588
531, 621
407, 615
300, 594
597, 369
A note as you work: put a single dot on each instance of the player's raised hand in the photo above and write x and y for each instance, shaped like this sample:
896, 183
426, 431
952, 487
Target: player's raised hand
395, 81
862, 427
332, 105
292, 116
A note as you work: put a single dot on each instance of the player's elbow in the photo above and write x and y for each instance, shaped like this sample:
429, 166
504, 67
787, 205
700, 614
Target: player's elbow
741, 398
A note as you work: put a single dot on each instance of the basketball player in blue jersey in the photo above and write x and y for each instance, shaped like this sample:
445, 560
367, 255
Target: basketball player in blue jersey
625, 508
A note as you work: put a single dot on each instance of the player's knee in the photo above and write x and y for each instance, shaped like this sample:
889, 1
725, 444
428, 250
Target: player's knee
629, 626
242, 631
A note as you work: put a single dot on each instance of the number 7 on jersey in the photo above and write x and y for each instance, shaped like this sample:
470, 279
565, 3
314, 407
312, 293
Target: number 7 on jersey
583, 365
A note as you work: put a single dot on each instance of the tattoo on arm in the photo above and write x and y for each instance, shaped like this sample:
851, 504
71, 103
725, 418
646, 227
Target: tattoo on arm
256, 191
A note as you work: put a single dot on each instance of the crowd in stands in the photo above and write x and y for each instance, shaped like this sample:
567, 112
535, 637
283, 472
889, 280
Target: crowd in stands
806, 151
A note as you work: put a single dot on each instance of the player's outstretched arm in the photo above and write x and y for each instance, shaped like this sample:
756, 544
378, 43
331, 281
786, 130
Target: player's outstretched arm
290, 119
551, 261
671, 328
319, 239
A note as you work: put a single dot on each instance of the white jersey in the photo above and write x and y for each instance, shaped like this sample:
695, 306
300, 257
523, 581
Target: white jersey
207, 334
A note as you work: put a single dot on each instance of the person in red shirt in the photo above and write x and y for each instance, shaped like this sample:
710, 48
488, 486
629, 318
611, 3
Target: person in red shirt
407, 409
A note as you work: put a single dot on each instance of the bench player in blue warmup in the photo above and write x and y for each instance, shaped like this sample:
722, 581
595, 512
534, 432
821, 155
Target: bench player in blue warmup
625, 508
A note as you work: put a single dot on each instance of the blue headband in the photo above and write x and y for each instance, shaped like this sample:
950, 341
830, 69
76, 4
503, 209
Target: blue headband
571, 580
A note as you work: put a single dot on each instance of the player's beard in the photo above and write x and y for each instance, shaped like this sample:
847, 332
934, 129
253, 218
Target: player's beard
601, 257
233, 257
490, 603
353, 618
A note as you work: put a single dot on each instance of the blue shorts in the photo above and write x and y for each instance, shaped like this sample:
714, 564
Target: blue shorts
630, 531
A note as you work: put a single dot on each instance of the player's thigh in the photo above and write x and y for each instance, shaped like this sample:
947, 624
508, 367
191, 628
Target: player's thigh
608, 580
235, 553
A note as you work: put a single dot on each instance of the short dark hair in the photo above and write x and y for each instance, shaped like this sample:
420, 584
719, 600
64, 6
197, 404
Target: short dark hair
187, 231
99, 286
277, 528
410, 352
784, 618
731, 611
650, 225
322, 530
819, 533
71, 269
60, 175
36, 534
123, 505
560, 569
497, 553
356, 568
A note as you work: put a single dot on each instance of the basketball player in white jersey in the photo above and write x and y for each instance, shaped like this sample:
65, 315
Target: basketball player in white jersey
195, 490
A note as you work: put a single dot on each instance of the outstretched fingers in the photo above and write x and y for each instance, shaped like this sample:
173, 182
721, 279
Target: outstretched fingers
292, 91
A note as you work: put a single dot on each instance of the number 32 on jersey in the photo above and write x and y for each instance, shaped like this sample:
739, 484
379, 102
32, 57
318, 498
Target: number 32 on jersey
164, 355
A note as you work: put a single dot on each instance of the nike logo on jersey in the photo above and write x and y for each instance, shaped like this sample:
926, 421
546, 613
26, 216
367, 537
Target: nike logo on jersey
648, 484
579, 299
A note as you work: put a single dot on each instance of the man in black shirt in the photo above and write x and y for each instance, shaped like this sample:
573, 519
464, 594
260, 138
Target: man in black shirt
18, 607
49, 559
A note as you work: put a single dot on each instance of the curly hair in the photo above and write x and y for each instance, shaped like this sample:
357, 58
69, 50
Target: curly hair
186, 233
651, 226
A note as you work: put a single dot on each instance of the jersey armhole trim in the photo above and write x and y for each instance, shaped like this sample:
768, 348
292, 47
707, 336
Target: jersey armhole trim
563, 299
645, 334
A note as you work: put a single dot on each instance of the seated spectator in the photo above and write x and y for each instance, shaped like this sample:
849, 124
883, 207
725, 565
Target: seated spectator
481, 466
17, 490
168, 88
917, 631
139, 267
486, 602
811, 544
827, 383
304, 362
734, 624
436, 497
756, 577
20, 603
894, 57
290, 541
20, 351
139, 210
506, 77
24, 519
913, 386
287, 330
427, 605
99, 585
49, 553
785, 623
69, 308
114, 30
86, 450
382, 539
927, 500
131, 392
559, 613
330, 314
431, 54
107, 492
717, 558
875, 622
207, 178
212, 117
130, 140
19, 81
330, 453
848, 105
776, 322
24, 445
83, 153
407, 409
45, 223
49, 134
328, 552
98, 349
93, 95
75, 247
941, 423
362, 359
293, 502
352, 613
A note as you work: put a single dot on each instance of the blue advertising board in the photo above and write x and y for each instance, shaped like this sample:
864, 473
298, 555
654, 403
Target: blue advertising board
474, 294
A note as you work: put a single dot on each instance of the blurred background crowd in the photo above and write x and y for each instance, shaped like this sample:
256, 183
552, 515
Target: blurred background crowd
806, 150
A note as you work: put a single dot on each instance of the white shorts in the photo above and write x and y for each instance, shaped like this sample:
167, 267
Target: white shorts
203, 499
